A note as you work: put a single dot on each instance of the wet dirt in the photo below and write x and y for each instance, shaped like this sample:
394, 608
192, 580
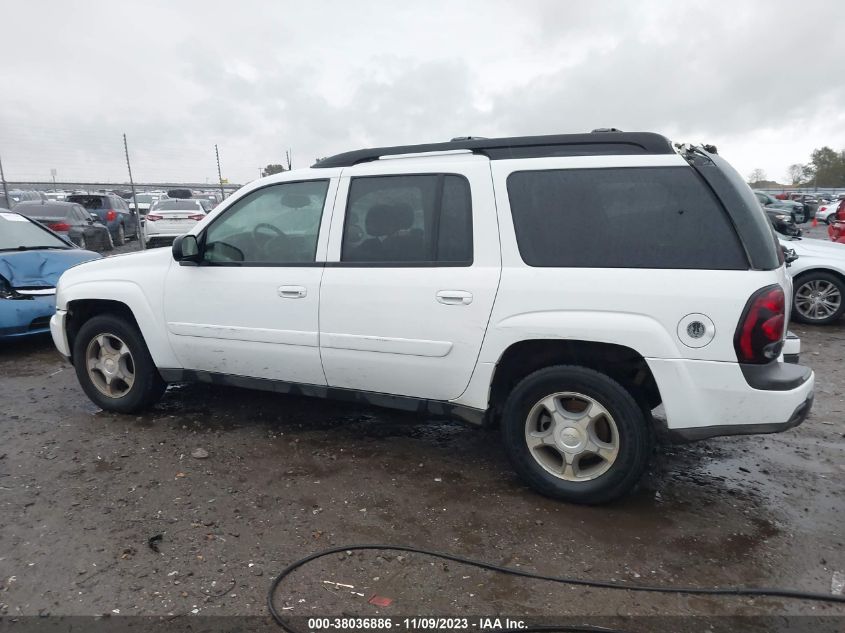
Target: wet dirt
82, 492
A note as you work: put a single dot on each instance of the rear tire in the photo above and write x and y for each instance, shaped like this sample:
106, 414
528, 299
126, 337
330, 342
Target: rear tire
114, 366
121, 236
588, 455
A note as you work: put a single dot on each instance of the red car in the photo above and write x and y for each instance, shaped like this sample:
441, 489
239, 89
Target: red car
836, 228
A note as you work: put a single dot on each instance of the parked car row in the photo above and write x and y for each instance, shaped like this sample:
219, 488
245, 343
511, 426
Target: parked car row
795, 210
808, 201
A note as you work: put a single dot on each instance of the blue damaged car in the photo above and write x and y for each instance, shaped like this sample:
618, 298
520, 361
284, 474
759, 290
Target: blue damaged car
31, 260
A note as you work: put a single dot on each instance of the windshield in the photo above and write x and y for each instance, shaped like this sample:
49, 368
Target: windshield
178, 205
18, 233
145, 198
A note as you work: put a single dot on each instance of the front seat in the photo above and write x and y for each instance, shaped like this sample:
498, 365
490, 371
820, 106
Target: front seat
383, 223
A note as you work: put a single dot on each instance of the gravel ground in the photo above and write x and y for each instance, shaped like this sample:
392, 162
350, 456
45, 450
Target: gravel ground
82, 492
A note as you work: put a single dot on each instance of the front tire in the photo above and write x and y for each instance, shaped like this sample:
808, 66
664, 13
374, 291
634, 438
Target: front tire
114, 366
575, 434
818, 298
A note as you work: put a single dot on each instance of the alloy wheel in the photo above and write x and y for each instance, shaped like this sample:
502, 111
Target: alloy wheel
110, 365
817, 299
572, 436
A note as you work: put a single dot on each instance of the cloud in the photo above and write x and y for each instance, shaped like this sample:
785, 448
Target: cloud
758, 78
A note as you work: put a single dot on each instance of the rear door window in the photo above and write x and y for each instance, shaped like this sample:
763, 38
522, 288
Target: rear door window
421, 219
633, 217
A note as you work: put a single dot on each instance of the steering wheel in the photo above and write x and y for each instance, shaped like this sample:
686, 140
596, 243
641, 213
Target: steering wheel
264, 225
269, 243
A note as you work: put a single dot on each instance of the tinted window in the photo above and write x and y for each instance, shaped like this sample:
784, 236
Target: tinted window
407, 219
641, 217
89, 202
273, 225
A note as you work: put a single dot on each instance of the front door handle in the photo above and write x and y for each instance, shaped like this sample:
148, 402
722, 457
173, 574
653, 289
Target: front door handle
292, 292
454, 297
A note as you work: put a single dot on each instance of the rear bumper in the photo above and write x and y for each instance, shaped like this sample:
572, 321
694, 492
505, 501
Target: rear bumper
151, 232
705, 398
702, 433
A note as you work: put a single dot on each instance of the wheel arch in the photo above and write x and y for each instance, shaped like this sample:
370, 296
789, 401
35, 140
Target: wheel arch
819, 269
126, 301
624, 364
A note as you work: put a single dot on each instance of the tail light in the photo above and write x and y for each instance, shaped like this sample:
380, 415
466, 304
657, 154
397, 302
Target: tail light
151, 217
196, 216
111, 214
61, 227
759, 336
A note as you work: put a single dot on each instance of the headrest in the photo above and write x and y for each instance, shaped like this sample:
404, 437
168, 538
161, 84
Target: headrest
386, 219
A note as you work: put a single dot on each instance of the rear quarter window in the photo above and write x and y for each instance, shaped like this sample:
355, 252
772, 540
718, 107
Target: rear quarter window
632, 217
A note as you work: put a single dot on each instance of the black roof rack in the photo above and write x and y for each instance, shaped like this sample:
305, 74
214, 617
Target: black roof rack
594, 143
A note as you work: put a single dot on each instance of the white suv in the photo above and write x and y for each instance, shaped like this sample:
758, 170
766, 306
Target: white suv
560, 287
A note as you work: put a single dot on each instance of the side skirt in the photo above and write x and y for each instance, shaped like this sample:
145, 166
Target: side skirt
432, 408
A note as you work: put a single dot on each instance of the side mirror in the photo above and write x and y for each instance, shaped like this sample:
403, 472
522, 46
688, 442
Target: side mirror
95, 218
789, 255
186, 249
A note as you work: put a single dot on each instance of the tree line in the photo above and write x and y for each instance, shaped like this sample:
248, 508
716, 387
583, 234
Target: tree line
277, 168
825, 169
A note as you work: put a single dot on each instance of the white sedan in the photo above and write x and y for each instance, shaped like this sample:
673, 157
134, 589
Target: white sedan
826, 211
818, 277
170, 218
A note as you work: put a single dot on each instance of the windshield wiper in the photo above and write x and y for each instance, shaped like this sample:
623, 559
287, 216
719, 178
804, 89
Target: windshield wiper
34, 248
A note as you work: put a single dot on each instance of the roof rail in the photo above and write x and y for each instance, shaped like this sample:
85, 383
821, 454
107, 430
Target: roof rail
591, 144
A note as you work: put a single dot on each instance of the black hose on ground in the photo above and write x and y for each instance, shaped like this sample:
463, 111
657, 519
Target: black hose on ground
598, 584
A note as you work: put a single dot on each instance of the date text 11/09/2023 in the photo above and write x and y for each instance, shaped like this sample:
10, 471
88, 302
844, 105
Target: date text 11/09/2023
424, 623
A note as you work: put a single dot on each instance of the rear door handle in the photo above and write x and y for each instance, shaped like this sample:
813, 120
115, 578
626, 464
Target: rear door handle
292, 292
454, 297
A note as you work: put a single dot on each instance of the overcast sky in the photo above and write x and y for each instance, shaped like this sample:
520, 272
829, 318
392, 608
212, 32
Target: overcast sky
763, 80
